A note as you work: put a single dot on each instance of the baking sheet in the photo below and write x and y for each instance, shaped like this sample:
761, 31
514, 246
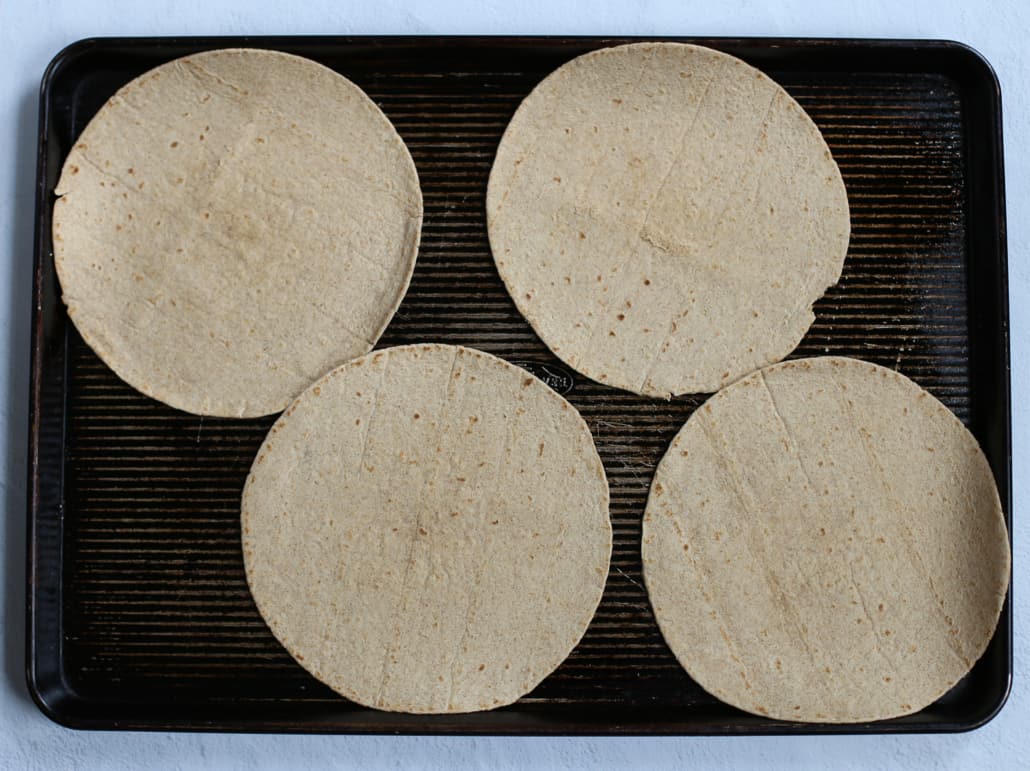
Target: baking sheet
139, 614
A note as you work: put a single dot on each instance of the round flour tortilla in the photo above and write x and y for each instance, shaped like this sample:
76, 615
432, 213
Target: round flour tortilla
232, 225
664, 216
426, 530
824, 542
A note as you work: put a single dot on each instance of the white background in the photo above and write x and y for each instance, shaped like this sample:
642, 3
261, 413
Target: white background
31, 32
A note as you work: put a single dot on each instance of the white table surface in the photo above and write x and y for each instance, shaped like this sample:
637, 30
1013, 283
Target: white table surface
32, 31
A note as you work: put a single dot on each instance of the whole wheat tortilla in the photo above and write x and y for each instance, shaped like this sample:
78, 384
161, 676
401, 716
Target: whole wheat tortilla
233, 224
426, 530
824, 542
664, 216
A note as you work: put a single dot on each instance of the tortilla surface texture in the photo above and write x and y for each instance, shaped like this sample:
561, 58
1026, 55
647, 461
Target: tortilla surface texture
664, 216
232, 225
426, 530
824, 542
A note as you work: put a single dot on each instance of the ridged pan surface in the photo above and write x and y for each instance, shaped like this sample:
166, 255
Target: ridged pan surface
155, 607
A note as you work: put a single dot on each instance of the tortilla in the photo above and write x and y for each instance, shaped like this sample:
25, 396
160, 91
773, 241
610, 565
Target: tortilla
232, 225
426, 530
664, 216
824, 542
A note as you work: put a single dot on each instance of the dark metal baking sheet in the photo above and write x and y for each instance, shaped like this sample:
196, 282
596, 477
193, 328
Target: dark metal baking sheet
138, 611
